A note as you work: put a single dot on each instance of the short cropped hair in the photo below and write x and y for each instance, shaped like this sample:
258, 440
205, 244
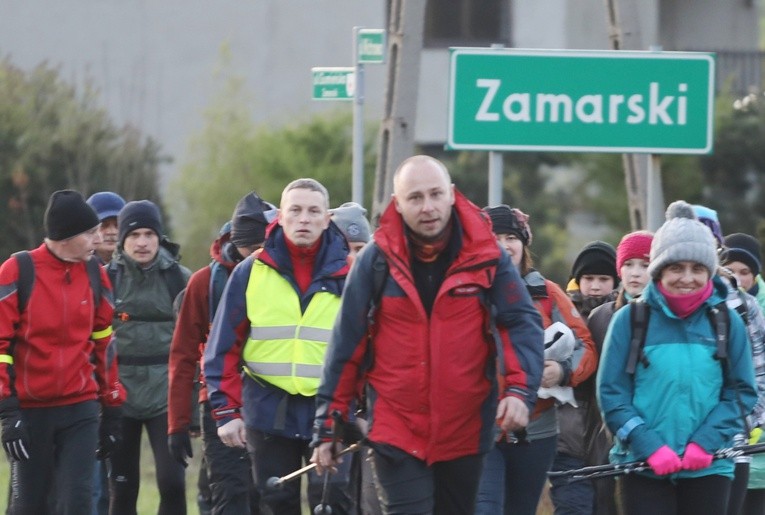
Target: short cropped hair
307, 184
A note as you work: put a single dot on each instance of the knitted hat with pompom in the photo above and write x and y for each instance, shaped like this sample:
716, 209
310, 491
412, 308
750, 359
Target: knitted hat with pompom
682, 238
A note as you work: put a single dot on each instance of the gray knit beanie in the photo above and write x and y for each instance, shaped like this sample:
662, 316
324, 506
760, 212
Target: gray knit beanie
682, 238
350, 218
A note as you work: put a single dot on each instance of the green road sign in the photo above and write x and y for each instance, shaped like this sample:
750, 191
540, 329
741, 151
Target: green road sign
371, 46
581, 101
333, 83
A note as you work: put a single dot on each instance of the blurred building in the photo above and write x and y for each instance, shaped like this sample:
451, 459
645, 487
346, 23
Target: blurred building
154, 61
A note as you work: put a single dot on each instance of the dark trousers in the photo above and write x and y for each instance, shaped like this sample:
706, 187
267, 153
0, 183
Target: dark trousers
513, 477
754, 503
125, 477
228, 472
277, 456
409, 486
738, 489
62, 450
571, 498
707, 495
362, 483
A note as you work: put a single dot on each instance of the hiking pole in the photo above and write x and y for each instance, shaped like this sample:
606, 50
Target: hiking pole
338, 431
618, 469
277, 482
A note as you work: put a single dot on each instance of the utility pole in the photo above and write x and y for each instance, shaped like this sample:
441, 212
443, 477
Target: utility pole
642, 172
396, 140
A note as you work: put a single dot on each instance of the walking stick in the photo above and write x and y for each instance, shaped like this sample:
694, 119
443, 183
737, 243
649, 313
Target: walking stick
618, 469
339, 429
278, 482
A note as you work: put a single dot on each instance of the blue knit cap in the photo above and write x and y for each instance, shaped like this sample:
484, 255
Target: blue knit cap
106, 204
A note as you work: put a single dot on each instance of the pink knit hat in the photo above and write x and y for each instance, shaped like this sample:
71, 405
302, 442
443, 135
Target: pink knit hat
633, 245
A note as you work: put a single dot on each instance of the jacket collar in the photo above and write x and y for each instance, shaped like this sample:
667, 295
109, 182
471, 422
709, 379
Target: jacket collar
331, 259
478, 244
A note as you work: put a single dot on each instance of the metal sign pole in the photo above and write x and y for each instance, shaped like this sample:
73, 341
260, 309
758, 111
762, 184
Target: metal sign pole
357, 188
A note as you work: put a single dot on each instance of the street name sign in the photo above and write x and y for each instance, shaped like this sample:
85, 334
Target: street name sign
581, 101
333, 83
371, 46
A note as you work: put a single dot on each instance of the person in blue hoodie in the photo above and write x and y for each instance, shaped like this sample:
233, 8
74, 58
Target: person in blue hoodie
682, 402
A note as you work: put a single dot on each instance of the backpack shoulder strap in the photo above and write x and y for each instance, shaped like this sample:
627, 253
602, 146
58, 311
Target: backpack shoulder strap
94, 276
720, 319
114, 271
174, 280
639, 314
26, 278
379, 276
380, 273
218, 278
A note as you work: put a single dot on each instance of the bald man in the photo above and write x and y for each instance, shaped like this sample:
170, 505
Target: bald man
430, 364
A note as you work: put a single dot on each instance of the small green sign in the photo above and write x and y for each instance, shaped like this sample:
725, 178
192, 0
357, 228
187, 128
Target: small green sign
371, 46
581, 101
333, 83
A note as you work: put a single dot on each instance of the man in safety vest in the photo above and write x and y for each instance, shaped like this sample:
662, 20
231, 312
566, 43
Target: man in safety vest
275, 317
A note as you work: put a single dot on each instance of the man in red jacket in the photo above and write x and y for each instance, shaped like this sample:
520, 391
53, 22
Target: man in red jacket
55, 376
431, 384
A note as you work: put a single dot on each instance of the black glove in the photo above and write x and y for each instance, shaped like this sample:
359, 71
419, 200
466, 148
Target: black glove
15, 437
180, 447
109, 431
347, 432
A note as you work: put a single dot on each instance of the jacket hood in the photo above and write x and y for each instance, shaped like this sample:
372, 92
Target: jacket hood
221, 249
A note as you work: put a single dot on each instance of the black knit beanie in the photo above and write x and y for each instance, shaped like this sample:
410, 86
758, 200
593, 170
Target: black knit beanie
250, 219
139, 214
596, 258
504, 221
68, 215
743, 248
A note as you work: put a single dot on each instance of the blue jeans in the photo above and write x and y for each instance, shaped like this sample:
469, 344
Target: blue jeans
513, 477
571, 498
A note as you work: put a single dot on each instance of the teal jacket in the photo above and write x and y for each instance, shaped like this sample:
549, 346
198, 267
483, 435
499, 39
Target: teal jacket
683, 395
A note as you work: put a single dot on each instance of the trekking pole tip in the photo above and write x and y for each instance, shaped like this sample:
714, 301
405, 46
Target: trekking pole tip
274, 483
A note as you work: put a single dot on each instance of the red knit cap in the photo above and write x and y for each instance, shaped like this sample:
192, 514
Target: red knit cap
633, 245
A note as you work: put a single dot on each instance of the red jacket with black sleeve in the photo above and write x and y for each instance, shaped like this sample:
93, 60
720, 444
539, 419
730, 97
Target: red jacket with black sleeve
189, 338
432, 385
58, 347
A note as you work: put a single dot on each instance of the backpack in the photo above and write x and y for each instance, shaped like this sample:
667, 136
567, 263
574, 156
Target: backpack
27, 279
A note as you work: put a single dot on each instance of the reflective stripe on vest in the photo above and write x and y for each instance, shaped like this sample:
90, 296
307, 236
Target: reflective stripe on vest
286, 347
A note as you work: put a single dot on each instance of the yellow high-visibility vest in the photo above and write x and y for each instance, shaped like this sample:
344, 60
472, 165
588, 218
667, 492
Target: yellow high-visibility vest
286, 347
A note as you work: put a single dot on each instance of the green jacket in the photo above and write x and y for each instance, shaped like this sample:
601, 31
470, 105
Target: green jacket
143, 328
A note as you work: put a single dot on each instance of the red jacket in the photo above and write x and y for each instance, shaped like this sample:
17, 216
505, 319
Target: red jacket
56, 336
432, 383
189, 338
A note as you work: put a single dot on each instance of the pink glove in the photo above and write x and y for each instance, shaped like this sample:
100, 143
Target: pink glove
696, 458
664, 461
